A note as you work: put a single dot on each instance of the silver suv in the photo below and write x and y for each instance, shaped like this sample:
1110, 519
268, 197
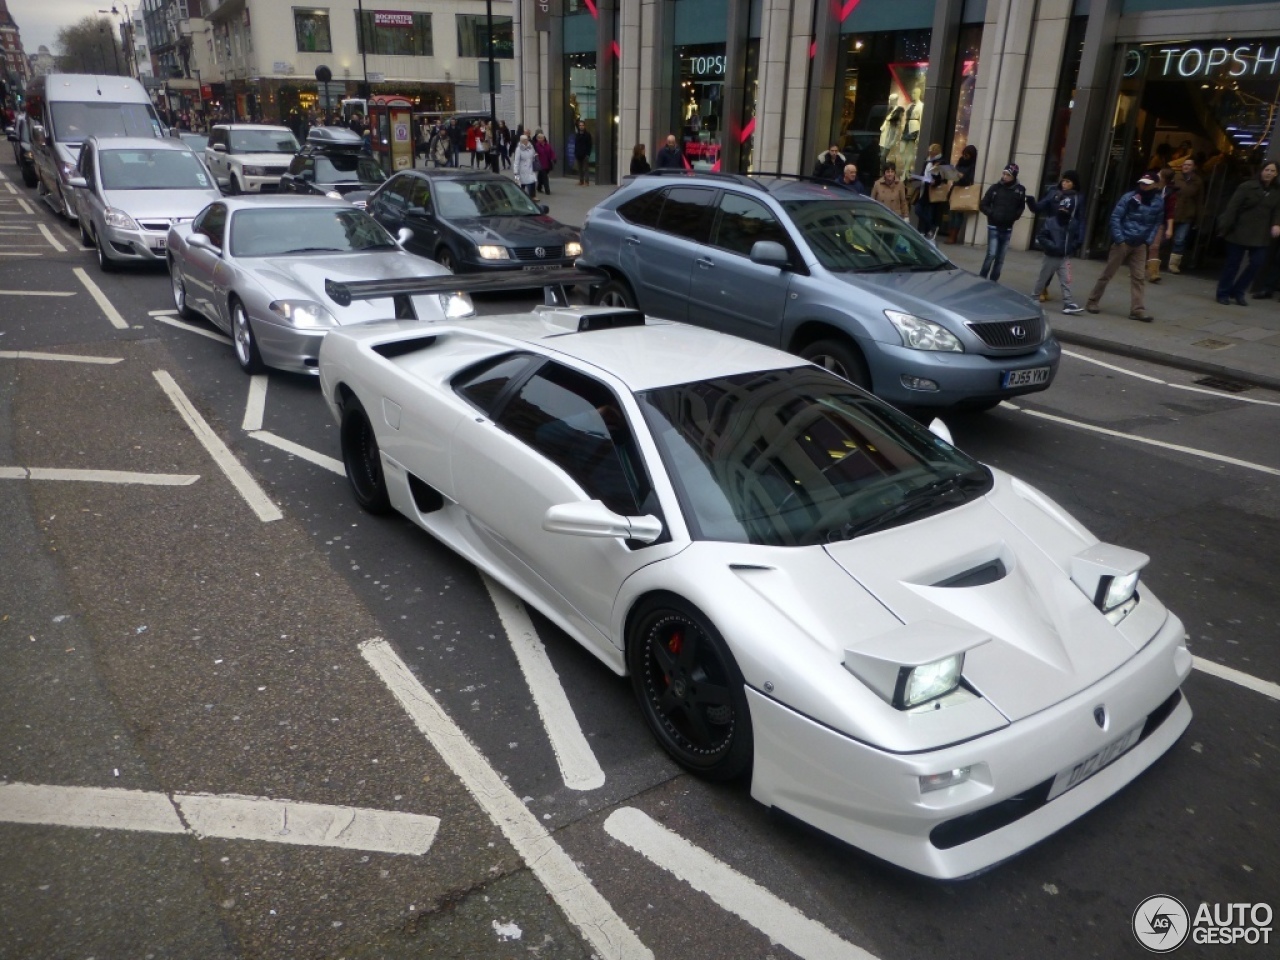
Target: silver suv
822, 272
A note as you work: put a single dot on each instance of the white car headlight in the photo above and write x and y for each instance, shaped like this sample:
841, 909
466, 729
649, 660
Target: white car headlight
455, 305
254, 171
928, 681
573, 249
333, 195
1108, 575
119, 220
920, 334
303, 313
491, 251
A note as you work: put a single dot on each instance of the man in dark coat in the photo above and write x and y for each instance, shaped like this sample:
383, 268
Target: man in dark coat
582, 146
669, 157
830, 164
1002, 205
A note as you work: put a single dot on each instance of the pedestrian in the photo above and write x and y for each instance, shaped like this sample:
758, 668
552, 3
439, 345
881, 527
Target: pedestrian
546, 160
582, 147
639, 162
1002, 205
1060, 236
473, 138
830, 164
505, 143
849, 179
929, 211
1187, 209
1168, 201
967, 168
441, 148
890, 191
457, 140
356, 123
1250, 221
669, 157
1136, 221
524, 167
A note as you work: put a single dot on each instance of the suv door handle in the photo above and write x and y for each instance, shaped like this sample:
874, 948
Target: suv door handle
705, 263
633, 241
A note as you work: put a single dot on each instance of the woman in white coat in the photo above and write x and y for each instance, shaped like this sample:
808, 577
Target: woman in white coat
524, 166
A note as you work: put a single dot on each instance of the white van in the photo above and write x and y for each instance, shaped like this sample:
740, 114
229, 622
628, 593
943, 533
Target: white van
68, 108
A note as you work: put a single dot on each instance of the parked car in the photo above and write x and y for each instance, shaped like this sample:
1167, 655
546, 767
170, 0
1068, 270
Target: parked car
129, 191
812, 268
472, 221
20, 136
249, 157
332, 163
196, 141
256, 268
916, 653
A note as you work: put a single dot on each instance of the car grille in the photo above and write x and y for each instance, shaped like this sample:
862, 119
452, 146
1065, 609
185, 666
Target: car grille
1011, 334
531, 253
161, 226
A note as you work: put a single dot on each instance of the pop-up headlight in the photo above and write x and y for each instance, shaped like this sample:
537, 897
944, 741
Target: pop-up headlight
1108, 575
914, 664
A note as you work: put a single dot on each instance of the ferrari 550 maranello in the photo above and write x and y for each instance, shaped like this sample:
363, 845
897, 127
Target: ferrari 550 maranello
914, 652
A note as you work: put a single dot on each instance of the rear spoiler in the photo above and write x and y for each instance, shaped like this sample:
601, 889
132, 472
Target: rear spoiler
553, 283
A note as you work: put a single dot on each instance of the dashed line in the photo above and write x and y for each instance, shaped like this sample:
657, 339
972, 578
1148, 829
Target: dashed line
1249, 682
99, 476
162, 313
571, 889
299, 451
240, 478
256, 406
67, 357
740, 895
48, 235
37, 293
227, 817
190, 329
100, 298
579, 767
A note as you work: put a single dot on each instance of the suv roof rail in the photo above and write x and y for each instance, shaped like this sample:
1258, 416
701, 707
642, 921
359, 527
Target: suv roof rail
800, 178
741, 179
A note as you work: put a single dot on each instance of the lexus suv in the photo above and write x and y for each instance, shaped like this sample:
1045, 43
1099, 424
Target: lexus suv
822, 272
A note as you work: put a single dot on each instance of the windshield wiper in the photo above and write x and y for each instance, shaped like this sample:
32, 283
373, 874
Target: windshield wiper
314, 250
877, 268
922, 499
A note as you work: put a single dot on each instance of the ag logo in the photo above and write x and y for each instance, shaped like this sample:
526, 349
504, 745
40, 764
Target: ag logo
1161, 924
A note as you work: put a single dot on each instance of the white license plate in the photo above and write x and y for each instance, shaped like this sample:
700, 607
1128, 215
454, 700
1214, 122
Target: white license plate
1025, 378
541, 266
1078, 773
159, 243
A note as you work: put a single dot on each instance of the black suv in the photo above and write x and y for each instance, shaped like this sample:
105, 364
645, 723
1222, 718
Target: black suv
332, 164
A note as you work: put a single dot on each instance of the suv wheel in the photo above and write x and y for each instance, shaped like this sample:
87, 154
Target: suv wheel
841, 358
233, 187
616, 293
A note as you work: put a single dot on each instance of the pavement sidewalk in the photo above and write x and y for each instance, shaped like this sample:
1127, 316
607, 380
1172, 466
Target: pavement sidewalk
1191, 329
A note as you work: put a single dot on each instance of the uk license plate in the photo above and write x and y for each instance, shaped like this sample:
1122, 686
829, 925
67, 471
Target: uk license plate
159, 243
1025, 378
538, 267
1078, 773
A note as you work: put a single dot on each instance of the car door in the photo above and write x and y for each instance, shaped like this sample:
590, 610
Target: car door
727, 291
660, 260
389, 205
199, 265
86, 169
420, 217
217, 159
558, 437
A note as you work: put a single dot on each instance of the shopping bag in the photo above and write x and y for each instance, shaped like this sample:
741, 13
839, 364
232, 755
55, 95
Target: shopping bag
938, 193
965, 199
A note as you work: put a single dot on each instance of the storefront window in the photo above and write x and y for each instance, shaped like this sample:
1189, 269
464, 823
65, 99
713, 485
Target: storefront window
473, 36
751, 90
699, 103
581, 87
394, 34
964, 84
880, 99
311, 29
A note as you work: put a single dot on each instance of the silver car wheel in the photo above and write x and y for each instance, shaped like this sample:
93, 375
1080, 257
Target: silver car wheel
105, 263
179, 290
616, 294
246, 346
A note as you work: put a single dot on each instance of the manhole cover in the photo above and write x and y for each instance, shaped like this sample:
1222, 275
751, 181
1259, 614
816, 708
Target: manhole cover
1209, 343
1230, 386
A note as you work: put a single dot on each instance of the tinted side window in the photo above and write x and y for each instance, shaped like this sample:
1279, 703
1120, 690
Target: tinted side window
296, 165
420, 193
687, 213
644, 209
744, 221
482, 384
212, 223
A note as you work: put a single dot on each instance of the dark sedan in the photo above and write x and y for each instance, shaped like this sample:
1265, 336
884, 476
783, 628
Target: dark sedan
472, 222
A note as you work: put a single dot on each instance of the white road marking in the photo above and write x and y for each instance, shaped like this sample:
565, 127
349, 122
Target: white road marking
240, 478
23, 204
1175, 386
256, 406
68, 357
48, 235
1224, 395
571, 889
6, 253
299, 451
579, 767
11, 188
100, 298
190, 329
775, 918
99, 476
162, 313
1206, 454
227, 817
37, 293
1249, 682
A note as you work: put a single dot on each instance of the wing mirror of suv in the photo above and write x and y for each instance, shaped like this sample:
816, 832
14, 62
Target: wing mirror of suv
219, 148
770, 253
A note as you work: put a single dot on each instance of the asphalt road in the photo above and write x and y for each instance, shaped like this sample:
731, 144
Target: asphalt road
161, 637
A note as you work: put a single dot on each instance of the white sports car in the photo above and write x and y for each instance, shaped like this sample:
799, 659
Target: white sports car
918, 654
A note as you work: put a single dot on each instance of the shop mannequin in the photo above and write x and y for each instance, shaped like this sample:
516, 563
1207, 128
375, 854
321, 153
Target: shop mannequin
891, 129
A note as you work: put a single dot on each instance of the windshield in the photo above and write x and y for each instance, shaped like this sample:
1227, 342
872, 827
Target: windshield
152, 170
282, 230
457, 199
76, 122
861, 237
263, 141
798, 456
342, 167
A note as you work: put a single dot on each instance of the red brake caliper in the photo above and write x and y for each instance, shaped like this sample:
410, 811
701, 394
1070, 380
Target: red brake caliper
674, 646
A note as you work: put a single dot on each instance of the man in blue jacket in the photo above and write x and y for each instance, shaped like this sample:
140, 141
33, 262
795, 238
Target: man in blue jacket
1135, 222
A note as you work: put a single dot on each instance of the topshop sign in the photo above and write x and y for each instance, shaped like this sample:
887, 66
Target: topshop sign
1219, 60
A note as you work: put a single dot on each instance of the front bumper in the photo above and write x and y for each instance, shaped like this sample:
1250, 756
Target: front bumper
144, 246
288, 348
871, 799
962, 378
267, 183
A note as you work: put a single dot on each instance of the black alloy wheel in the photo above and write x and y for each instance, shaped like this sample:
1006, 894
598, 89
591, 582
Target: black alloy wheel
362, 460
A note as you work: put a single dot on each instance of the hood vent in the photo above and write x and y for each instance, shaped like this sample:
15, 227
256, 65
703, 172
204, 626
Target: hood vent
976, 577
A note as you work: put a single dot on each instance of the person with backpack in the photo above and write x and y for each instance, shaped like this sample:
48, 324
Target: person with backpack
1136, 221
1060, 236
1002, 205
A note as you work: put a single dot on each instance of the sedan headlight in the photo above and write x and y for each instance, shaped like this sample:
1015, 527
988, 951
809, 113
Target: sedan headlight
920, 334
491, 251
254, 171
303, 313
455, 305
573, 249
1108, 575
119, 220
928, 681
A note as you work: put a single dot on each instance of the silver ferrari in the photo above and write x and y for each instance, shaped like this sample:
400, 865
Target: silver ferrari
256, 266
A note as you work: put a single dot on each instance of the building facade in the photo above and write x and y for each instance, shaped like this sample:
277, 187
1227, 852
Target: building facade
1104, 87
15, 69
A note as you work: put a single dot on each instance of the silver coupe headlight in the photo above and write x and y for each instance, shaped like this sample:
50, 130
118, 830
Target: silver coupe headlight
920, 334
303, 313
928, 681
491, 251
455, 305
119, 220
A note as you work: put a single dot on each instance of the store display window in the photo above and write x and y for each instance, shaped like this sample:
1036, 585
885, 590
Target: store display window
699, 103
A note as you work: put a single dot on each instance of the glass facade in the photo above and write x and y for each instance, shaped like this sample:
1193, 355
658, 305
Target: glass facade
311, 29
698, 115
395, 34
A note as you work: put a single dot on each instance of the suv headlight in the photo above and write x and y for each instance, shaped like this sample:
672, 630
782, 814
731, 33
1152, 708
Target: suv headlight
920, 334
491, 251
303, 313
254, 171
118, 219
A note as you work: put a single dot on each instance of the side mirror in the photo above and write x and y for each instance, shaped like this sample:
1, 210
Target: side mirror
79, 183
403, 236
591, 518
201, 242
770, 253
219, 148
37, 135
10, 133
415, 211
940, 430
